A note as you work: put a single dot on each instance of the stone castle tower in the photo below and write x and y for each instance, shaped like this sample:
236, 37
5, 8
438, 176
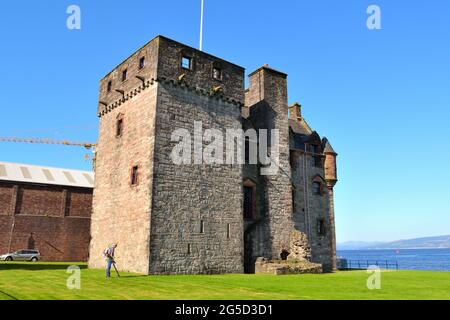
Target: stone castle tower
197, 218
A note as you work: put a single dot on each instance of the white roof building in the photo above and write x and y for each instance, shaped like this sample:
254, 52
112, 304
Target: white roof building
16, 172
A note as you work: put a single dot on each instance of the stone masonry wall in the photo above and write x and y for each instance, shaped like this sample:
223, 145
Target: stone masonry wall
121, 211
270, 86
310, 208
150, 52
201, 74
185, 195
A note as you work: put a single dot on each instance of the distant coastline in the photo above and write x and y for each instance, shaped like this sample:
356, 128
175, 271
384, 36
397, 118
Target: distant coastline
438, 242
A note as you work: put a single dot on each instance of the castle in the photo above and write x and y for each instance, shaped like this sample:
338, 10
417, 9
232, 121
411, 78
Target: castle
196, 219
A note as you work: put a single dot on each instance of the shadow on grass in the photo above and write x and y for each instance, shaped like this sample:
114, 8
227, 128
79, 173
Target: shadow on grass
37, 266
10, 297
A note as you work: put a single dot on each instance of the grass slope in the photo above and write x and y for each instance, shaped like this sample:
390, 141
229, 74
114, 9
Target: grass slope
48, 281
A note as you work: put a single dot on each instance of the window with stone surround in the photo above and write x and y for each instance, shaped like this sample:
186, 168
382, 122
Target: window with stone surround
124, 74
249, 209
202, 226
317, 188
315, 153
119, 125
186, 62
109, 86
318, 185
141, 63
134, 175
217, 73
321, 227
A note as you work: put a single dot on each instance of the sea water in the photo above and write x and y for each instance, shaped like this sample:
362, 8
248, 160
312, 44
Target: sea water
408, 259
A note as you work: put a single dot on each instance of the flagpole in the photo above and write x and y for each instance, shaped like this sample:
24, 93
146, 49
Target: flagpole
201, 27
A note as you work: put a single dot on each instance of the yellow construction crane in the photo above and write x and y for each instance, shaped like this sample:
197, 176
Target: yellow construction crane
86, 145
48, 141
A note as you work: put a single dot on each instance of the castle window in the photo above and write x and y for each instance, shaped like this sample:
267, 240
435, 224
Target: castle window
217, 73
124, 75
248, 202
134, 175
109, 86
142, 63
247, 150
186, 62
317, 161
119, 127
189, 248
321, 227
202, 226
294, 208
228, 231
317, 188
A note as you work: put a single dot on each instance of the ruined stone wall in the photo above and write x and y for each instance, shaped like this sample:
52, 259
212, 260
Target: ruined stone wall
52, 219
121, 211
185, 195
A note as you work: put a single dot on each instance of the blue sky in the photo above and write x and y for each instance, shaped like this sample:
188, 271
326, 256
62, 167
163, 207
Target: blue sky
382, 97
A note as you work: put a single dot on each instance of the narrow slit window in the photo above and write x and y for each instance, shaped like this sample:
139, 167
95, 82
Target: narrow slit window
186, 62
189, 248
202, 226
134, 175
124, 74
109, 86
228, 231
247, 150
321, 227
119, 127
248, 203
142, 63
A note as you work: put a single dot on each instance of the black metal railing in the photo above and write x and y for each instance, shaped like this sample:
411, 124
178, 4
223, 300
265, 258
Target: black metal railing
346, 264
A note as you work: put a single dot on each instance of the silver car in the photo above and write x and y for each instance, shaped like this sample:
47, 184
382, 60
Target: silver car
22, 255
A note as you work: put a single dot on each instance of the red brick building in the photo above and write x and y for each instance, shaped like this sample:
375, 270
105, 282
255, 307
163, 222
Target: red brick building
47, 209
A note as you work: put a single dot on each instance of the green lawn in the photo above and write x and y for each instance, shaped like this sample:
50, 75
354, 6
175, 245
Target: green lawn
48, 281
